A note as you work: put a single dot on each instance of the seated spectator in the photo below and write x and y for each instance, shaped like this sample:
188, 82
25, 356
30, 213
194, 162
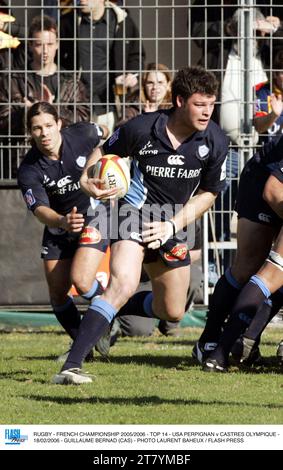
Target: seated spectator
42, 81
268, 118
155, 93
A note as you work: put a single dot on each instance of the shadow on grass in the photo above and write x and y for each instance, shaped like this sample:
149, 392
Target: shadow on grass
142, 401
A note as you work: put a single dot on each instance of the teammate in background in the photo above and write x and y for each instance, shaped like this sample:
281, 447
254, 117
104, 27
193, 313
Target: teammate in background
248, 305
259, 221
49, 178
178, 164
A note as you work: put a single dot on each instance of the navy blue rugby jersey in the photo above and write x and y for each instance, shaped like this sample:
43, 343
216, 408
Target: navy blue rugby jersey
162, 175
55, 183
270, 156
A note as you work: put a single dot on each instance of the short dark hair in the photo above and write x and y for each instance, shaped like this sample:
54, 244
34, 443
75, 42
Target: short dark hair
192, 80
38, 108
42, 23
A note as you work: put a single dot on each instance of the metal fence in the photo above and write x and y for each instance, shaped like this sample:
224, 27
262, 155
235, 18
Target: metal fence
176, 33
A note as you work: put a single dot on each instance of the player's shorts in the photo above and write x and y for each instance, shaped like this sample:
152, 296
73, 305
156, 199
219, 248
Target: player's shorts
174, 253
59, 244
250, 203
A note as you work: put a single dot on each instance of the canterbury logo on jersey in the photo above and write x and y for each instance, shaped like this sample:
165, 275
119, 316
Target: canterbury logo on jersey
176, 160
63, 181
147, 149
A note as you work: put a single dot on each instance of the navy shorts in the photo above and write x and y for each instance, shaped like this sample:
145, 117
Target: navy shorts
59, 244
250, 203
174, 253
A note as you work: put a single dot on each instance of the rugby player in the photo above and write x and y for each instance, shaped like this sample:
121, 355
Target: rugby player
49, 178
259, 222
178, 160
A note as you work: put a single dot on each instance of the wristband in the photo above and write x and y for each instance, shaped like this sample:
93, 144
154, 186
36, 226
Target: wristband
173, 225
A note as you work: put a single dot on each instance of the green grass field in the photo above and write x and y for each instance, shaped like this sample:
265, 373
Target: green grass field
148, 381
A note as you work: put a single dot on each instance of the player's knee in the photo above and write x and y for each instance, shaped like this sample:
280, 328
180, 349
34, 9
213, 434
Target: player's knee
82, 284
172, 313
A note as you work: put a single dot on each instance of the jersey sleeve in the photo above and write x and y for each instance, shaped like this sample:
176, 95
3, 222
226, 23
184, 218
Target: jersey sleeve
214, 176
32, 188
120, 142
277, 171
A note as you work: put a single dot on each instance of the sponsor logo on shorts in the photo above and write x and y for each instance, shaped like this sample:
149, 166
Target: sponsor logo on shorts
44, 250
264, 218
90, 236
177, 253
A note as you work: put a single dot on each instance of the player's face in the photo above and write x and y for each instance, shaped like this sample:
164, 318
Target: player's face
196, 111
156, 87
43, 47
45, 132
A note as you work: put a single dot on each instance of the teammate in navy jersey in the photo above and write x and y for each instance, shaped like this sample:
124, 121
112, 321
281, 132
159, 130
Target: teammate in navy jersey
259, 221
49, 178
178, 159
248, 306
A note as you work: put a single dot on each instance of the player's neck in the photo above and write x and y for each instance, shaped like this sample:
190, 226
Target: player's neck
177, 132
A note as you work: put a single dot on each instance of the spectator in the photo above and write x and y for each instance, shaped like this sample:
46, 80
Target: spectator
155, 93
268, 118
42, 81
102, 51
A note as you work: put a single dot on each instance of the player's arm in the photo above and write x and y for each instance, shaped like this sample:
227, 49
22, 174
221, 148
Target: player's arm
157, 233
194, 208
90, 185
273, 194
71, 222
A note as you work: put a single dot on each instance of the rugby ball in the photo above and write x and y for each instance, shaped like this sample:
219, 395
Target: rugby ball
115, 173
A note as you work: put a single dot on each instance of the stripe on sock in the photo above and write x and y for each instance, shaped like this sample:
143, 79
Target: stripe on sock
104, 308
88, 295
147, 305
260, 283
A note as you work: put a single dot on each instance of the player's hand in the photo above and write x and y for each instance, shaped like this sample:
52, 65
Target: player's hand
47, 95
157, 233
91, 187
73, 222
276, 104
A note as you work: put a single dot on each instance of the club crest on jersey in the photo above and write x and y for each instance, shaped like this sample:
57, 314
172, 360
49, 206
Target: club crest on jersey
90, 236
80, 161
177, 253
202, 151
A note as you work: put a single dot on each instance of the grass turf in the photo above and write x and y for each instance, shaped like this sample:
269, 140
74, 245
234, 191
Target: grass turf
147, 381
